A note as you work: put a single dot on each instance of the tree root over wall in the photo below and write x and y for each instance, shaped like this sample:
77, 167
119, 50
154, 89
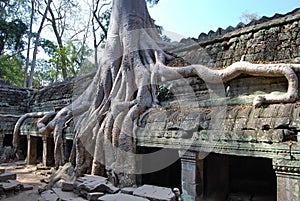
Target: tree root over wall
106, 114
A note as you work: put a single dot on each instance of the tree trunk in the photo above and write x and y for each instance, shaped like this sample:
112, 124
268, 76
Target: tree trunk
28, 45
60, 43
36, 45
107, 110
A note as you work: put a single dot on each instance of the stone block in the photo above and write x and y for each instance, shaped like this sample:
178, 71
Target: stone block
121, 197
27, 187
49, 195
282, 122
155, 193
91, 183
11, 185
285, 110
128, 190
67, 186
94, 196
66, 196
7, 176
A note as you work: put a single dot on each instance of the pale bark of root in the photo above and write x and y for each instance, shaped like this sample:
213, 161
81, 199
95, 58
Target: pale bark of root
9, 116
233, 71
20, 122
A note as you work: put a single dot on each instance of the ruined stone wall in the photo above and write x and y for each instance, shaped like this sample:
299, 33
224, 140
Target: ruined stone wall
274, 40
53, 98
58, 95
13, 103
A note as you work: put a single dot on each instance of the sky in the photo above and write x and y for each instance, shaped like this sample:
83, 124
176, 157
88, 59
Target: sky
189, 18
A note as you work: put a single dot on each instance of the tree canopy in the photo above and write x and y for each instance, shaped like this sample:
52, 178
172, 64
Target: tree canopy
66, 40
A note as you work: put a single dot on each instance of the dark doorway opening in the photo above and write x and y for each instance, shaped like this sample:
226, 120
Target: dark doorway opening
236, 178
39, 150
50, 152
7, 141
253, 177
68, 149
22, 147
169, 176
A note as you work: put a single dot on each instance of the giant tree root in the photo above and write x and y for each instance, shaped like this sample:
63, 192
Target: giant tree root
165, 73
46, 115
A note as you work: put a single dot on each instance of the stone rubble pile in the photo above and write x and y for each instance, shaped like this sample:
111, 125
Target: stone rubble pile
97, 188
9, 185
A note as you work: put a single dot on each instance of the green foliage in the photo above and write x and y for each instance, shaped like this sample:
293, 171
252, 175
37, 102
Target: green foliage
11, 36
13, 28
69, 57
11, 69
45, 73
164, 93
105, 20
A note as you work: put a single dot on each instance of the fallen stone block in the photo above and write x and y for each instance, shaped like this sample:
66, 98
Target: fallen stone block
91, 183
49, 195
128, 190
27, 187
106, 187
87, 178
67, 186
66, 196
121, 197
8, 176
94, 196
12, 185
155, 193
81, 193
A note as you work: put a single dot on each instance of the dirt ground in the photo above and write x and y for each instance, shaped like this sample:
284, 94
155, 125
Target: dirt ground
27, 175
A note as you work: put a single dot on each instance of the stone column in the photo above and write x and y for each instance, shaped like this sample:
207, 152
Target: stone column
44, 138
1, 140
31, 150
192, 182
288, 179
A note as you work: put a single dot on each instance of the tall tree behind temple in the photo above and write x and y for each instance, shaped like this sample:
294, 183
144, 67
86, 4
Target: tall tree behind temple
12, 31
36, 45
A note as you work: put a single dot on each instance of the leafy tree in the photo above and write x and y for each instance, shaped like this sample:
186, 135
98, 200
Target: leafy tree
45, 73
62, 18
13, 28
11, 36
11, 69
36, 44
69, 57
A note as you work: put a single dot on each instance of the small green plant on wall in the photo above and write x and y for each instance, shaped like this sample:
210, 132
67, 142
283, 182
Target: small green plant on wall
164, 93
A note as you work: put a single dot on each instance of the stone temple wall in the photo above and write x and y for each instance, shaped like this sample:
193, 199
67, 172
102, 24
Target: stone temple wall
55, 97
274, 40
13, 103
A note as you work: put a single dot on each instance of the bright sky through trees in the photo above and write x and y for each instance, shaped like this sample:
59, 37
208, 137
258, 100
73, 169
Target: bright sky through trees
191, 17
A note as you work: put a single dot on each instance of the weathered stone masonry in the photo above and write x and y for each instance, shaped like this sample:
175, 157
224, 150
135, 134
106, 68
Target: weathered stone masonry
264, 138
14, 102
275, 40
